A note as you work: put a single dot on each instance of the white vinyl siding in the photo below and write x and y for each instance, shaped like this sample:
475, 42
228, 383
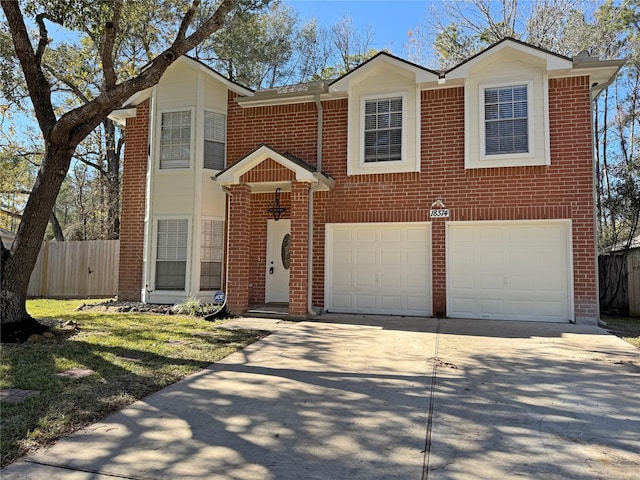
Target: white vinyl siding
171, 254
214, 140
383, 130
506, 121
211, 252
175, 140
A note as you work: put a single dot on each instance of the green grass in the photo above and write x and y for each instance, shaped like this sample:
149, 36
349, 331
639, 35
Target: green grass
627, 328
131, 354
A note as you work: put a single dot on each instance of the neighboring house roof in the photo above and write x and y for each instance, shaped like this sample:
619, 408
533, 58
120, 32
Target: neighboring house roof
304, 172
622, 246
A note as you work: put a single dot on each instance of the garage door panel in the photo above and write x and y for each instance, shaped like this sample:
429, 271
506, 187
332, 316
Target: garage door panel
342, 278
390, 272
391, 279
390, 236
511, 271
391, 258
417, 258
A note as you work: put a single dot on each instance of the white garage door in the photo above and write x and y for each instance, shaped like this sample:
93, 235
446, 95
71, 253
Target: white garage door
509, 270
381, 268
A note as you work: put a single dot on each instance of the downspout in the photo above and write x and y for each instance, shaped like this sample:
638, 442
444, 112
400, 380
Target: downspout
312, 190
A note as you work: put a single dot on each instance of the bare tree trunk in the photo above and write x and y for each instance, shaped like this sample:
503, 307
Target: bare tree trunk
18, 263
55, 226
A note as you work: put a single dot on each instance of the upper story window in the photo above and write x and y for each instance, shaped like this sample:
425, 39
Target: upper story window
506, 120
175, 140
383, 130
214, 140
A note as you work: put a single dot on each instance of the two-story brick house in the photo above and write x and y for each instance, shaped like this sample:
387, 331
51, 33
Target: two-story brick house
394, 189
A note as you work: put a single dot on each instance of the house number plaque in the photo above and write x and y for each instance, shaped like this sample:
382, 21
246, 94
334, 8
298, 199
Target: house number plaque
439, 213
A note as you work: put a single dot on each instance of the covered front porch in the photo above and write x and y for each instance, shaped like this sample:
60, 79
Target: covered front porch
270, 230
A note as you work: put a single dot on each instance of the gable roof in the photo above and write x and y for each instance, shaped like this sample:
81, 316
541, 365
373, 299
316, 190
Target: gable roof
304, 172
422, 74
128, 108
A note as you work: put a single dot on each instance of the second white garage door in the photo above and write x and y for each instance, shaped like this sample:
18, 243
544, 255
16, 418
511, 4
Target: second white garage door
509, 270
379, 268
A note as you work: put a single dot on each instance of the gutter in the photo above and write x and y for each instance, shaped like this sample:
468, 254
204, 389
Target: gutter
312, 189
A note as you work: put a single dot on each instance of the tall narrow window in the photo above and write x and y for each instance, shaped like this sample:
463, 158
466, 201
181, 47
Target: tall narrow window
211, 251
506, 120
383, 130
171, 254
175, 140
214, 140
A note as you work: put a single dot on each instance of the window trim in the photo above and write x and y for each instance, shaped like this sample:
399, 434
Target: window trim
224, 114
482, 87
192, 112
361, 133
154, 252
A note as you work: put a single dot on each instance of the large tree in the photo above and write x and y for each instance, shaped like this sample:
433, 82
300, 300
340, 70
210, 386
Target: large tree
62, 132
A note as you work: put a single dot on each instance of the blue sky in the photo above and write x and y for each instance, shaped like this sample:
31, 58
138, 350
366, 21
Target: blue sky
391, 20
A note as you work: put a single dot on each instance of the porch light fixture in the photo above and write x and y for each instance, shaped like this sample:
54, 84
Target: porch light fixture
275, 207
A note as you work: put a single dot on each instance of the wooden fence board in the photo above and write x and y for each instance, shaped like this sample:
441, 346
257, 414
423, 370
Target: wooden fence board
76, 270
633, 267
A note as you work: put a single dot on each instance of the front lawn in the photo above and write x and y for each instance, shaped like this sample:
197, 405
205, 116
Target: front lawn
627, 328
131, 355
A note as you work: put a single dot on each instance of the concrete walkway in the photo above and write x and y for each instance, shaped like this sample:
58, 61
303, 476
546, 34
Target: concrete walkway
379, 398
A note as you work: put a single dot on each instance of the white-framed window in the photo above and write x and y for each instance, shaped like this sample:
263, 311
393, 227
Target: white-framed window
211, 253
383, 123
171, 254
175, 139
506, 120
215, 127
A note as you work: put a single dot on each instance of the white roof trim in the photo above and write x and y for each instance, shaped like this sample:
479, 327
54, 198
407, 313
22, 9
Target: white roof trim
553, 62
421, 75
231, 176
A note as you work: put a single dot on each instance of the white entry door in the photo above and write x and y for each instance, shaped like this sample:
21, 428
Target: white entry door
278, 256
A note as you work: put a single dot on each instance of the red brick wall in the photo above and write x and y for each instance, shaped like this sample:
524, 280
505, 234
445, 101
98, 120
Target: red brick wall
239, 248
560, 191
247, 128
299, 240
133, 204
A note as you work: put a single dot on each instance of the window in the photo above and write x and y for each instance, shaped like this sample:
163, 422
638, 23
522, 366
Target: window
171, 254
175, 140
383, 130
506, 120
214, 140
211, 251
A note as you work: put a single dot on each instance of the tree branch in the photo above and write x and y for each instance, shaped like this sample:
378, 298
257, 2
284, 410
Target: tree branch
37, 84
110, 33
66, 81
44, 37
186, 20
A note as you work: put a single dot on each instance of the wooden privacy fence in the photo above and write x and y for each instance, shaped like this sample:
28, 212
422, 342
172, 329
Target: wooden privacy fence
619, 279
76, 270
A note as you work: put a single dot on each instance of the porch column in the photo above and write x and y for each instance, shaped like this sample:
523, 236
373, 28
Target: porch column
298, 264
238, 253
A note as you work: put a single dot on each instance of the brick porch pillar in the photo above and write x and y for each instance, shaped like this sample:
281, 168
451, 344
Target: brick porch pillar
238, 255
438, 267
298, 266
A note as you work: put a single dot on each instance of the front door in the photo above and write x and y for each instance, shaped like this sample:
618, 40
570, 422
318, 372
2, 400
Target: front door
278, 255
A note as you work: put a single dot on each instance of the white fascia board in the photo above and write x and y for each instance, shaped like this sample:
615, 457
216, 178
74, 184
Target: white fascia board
552, 62
421, 75
120, 116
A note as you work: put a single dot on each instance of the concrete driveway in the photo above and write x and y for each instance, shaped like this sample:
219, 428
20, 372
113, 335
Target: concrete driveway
379, 398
